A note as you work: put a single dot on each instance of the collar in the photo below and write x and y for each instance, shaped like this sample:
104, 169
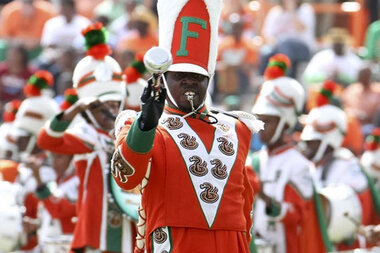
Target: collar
201, 113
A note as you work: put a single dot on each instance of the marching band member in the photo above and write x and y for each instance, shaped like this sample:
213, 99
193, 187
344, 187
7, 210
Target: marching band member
282, 211
33, 112
196, 196
57, 197
101, 227
323, 135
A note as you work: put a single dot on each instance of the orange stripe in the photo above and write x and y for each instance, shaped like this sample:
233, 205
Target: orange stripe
323, 128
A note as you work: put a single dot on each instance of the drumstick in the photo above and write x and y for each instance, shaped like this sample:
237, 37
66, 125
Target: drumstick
347, 215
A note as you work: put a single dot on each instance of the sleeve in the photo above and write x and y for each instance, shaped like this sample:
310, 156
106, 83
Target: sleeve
47, 34
307, 17
53, 137
58, 207
269, 26
132, 155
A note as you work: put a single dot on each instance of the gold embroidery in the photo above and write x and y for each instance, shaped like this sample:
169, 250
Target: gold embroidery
114, 218
223, 127
210, 194
120, 168
199, 167
188, 142
225, 146
159, 235
219, 170
173, 123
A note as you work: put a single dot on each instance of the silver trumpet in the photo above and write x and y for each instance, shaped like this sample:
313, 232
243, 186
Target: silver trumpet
157, 61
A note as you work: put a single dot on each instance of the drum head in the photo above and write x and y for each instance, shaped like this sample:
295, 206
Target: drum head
128, 202
342, 210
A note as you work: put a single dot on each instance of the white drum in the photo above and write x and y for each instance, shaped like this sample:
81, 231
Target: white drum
56, 244
342, 211
11, 235
264, 246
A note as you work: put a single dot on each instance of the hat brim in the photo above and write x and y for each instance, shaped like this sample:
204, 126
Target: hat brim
188, 67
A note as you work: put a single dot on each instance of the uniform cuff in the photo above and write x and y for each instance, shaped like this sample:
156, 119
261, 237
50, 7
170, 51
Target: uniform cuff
58, 125
43, 192
138, 140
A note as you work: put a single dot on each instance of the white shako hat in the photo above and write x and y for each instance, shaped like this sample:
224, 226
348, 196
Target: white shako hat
280, 96
98, 75
326, 123
371, 156
37, 108
188, 29
34, 112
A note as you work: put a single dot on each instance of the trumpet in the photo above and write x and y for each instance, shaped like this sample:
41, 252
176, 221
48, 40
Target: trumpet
157, 60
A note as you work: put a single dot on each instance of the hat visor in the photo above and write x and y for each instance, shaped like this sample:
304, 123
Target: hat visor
188, 67
111, 97
309, 134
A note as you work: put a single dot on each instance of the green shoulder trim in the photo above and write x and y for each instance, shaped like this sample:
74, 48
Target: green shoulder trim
375, 194
322, 221
59, 125
43, 192
138, 140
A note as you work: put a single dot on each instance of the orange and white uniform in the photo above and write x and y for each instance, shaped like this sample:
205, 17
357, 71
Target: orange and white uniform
196, 196
101, 224
285, 178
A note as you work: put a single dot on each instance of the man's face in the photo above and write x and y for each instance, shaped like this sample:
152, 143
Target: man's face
271, 122
311, 148
181, 82
104, 120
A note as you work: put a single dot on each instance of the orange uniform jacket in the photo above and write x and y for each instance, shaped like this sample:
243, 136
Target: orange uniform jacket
186, 200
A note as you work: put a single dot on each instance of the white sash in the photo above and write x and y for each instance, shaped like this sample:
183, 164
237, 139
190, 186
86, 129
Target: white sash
209, 171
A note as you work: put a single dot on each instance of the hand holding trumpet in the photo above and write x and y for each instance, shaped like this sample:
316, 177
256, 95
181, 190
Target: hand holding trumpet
157, 61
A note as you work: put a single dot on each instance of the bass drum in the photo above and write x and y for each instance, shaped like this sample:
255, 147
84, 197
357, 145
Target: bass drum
127, 201
342, 210
11, 236
264, 246
56, 244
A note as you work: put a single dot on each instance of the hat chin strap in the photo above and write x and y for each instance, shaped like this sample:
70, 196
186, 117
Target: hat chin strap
278, 132
95, 122
92, 119
320, 152
174, 102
